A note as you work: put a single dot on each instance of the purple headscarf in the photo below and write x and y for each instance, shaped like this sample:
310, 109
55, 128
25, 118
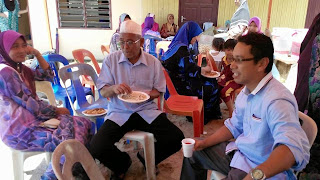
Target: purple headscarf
257, 21
7, 39
148, 23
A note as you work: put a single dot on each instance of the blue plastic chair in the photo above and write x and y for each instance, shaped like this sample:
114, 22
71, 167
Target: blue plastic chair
149, 45
73, 72
58, 90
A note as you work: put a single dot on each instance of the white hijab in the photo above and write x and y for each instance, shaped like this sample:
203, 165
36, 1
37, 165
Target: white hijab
242, 14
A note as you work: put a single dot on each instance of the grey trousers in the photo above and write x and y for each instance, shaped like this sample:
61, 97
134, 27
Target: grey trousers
211, 158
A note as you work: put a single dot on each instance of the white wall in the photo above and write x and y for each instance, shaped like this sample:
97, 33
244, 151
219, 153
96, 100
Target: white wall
39, 25
70, 39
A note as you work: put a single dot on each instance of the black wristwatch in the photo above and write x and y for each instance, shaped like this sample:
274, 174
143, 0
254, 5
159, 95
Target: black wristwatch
257, 174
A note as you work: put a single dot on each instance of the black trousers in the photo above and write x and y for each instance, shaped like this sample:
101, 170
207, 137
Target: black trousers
168, 141
211, 158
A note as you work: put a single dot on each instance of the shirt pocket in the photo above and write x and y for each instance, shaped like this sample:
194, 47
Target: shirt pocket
256, 124
144, 85
256, 118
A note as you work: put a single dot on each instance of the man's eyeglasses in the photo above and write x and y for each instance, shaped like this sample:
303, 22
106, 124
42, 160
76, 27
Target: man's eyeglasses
129, 43
237, 60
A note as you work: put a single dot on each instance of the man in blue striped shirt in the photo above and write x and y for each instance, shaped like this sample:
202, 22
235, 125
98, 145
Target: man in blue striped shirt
269, 141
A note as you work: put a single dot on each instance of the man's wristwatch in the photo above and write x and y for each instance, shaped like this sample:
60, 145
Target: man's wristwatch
257, 174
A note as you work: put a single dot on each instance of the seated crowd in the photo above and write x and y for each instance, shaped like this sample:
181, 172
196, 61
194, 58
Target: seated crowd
262, 138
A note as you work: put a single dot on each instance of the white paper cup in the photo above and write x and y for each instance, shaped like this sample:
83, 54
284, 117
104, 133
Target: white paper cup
187, 146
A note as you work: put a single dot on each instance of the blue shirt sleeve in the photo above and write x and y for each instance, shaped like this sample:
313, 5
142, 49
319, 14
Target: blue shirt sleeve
105, 76
286, 129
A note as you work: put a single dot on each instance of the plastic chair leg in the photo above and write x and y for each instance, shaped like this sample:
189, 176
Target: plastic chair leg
149, 156
147, 141
67, 105
215, 175
197, 123
17, 159
202, 120
48, 157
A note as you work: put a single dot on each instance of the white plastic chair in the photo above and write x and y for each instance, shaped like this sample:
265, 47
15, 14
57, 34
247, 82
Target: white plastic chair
309, 127
18, 156
73, 72
74, 152
215, 175
147, 141
46, 88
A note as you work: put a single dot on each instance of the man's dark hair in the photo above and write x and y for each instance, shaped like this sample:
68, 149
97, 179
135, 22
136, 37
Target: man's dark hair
230, 44
261, 46
218, 43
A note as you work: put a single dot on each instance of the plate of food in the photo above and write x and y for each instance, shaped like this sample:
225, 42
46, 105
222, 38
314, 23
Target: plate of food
95, 112
211, 74
134, 97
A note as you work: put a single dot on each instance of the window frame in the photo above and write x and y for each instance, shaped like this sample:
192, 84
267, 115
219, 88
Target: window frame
85, 17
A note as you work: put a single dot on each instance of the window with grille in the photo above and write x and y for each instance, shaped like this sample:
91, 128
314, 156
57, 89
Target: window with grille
84, 13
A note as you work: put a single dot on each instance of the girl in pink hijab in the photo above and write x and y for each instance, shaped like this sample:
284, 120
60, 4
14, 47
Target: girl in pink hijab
255, 25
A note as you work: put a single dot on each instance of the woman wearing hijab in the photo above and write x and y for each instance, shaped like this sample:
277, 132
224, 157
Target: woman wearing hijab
22, 113
114, 43
186, 75
169, 28
240, 19
147, 30
155, 26
254, 25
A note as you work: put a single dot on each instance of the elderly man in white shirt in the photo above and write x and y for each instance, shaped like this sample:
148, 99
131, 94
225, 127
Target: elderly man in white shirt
132, 69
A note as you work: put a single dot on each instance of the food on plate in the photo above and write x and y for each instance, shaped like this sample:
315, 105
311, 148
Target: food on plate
135, 96
95, 111
211, 73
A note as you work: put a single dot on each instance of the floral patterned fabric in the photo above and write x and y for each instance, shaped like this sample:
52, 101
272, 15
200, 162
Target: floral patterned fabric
21, 116
314, 80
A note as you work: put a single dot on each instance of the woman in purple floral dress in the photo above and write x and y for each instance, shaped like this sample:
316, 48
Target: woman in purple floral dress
22, 112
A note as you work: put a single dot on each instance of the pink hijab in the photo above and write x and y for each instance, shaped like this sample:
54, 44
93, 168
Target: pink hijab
7, 39
257, 21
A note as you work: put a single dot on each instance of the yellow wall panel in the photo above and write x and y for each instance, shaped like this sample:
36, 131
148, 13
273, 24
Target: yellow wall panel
226, 10
284, 13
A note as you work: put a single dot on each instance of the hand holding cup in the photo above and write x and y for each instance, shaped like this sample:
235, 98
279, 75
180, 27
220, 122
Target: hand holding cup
187, 146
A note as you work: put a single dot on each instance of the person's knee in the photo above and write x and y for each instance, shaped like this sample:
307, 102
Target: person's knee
177, 138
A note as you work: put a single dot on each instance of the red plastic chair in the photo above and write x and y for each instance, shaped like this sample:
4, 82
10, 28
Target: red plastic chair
79, 55
105, 48
185, 105
200, 56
